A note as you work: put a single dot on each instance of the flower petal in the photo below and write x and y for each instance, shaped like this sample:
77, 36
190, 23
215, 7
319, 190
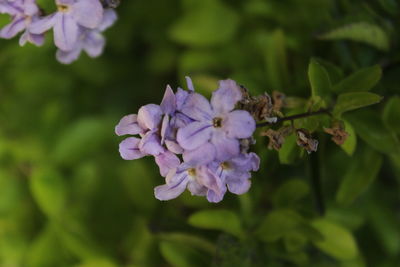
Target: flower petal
196, 189
200, 156
173, 146
66, 32
193, 135
149, 116
109, 17
225, 98
12, 29
197, 107
93, 43
129, 149
128, 125
44, 24
88, 13
239, 124
167, 161
238, 186
151, 144
36, 39
168, 104
67, 57
189, 83
225, 147
168, 192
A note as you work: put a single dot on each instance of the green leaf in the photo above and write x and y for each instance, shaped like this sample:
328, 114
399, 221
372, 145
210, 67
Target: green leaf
391, 114
319, 79
290, 193
80, 139
362, 80
223, 220
370, 128
277, 223
97, 263
180, 255
350, 144
337, 241
49, 191
289, 151
351, 101
276, 59
190, 240
45, 249
361, 32
359, 177
205, 23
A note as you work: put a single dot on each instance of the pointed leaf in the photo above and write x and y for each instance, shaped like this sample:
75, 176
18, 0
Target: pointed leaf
391, 114
351, 101
361, 32
359, 177
223, 220
319, 79
362, 80
337, 241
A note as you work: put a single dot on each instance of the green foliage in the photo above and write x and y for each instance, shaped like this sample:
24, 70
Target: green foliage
362, 80
351, 101
319, 79
357, 178
68, 199
216, 220
209, 22
361, 32
391, 114
337, 241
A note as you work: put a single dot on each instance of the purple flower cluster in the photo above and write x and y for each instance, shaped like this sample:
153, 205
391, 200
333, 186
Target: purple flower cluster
195, 142
77, 25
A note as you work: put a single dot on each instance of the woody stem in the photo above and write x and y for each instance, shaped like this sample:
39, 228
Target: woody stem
294, 117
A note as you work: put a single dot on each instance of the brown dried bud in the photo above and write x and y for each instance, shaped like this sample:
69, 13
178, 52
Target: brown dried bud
245, 144
337, 130
277, 138
260, 107
305, 140
278, 99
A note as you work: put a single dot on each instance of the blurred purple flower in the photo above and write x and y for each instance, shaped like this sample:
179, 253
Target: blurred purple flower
90, 41
68, 21
24, 13
217, 123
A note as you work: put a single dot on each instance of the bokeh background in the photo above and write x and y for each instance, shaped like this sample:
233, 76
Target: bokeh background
68, 199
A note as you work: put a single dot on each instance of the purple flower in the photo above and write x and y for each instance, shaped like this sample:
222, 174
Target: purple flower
217, 123
90, 41
24, 13
235, 174
68, 21
194, 143
197, 179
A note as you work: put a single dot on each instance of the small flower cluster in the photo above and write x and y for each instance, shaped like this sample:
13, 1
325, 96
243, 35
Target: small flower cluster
197, 144
77, 25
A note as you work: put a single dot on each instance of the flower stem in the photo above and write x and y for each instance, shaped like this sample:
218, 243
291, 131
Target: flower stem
294, 117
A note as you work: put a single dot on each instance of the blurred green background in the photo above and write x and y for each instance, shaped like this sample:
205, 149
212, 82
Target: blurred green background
68, 199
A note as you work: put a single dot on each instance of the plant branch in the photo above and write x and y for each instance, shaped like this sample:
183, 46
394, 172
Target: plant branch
294, 117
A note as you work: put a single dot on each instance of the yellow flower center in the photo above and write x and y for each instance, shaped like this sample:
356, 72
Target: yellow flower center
63, 8
225, 165
217, 122
192, 172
